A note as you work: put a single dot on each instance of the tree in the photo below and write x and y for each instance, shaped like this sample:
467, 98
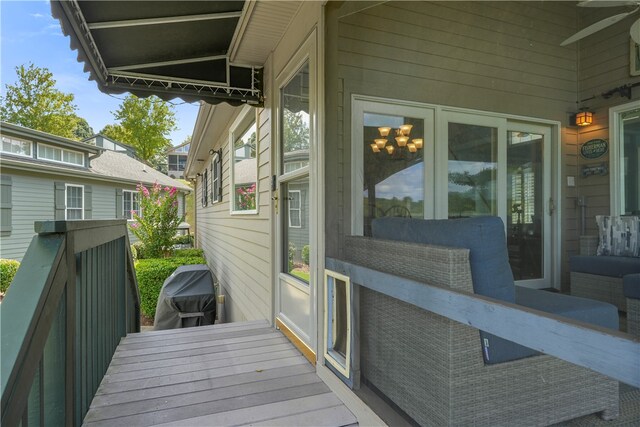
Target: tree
35, 103
83, 130
296, 132
143, 123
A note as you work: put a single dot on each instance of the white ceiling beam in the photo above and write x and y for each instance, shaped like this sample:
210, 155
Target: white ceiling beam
247, 11
165, 63
163, 20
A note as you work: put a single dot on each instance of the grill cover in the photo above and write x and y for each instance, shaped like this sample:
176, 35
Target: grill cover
187, 299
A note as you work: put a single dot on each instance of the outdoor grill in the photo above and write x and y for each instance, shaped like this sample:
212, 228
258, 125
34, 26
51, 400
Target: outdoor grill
187, 299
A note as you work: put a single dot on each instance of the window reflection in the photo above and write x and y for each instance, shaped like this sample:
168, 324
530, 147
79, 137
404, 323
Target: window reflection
393, 183
295, 121
630, 162
473, 168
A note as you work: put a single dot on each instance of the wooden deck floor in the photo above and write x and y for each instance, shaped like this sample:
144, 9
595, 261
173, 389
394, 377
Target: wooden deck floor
232, 374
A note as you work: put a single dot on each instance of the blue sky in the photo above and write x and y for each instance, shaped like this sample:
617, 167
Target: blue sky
28, 33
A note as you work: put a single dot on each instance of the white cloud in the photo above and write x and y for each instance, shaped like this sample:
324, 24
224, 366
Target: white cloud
37, 15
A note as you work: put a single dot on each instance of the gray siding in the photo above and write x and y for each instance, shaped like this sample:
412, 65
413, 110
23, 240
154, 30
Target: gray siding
604, 65
502, 57
104, 201
238, 247
32, 199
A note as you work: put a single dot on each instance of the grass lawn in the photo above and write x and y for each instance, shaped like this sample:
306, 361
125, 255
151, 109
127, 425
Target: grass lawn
304, 275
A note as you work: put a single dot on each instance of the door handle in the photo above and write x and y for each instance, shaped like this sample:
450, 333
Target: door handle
275, 201
552, 206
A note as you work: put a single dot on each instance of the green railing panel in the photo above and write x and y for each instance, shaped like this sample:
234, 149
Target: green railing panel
53, 369
34, 404
74, 297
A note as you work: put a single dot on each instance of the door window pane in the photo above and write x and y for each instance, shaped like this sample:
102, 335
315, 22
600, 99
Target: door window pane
525, 204
245, 170
630, 160
296, 226
473, 168
393, 177
295, 121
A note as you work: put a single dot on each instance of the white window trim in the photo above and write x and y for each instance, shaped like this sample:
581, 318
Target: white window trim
66, 208
62, 150
124, 211
299, 209
615, 149
215, 196
18, 140
243, 122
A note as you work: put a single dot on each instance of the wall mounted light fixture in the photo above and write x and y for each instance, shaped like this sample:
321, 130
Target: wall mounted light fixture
584, 118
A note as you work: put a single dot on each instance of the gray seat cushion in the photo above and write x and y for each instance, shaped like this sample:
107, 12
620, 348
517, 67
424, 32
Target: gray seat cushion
488, 257
631, 286
612, 266
583, 309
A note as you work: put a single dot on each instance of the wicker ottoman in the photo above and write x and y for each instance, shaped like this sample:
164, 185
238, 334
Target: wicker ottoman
631, 288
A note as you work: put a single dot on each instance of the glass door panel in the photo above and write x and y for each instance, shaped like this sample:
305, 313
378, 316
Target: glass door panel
630, 162
296, 228
393, 167
472, 170
525, 204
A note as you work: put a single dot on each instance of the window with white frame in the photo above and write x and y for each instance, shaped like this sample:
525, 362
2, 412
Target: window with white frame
74, 197
626, 133
216, 178
244, 163
61, 155
16, 146
130, 203
295, 208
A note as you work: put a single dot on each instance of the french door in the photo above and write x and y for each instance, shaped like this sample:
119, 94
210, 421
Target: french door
467, 164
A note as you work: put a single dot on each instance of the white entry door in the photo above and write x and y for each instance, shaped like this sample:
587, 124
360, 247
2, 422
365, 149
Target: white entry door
296, 181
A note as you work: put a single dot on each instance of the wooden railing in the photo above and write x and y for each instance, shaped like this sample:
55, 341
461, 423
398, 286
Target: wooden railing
73, 298
612, 353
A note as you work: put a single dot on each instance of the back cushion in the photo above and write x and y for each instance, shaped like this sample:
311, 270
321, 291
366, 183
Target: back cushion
488, 257
618, 235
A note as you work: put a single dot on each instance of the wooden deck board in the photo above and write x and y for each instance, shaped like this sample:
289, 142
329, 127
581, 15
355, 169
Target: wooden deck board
232, 374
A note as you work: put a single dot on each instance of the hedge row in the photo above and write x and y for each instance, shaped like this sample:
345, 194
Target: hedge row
151, 274
138, 252
8, 268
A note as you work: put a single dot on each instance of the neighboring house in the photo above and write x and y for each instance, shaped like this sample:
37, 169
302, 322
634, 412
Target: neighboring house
177, 159
486, 87
46, 177
107, 143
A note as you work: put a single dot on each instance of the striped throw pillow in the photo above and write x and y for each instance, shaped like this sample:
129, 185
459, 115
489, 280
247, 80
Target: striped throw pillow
618, 235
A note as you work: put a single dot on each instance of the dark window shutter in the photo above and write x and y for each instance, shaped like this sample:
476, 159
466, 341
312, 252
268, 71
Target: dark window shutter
219, 168
59, 201
211, 177
5, 203
119, 201
88, 201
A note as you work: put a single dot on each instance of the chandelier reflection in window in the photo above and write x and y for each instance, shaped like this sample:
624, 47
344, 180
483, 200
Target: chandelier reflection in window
403, 141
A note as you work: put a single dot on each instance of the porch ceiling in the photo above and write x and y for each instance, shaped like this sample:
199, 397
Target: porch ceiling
165, 48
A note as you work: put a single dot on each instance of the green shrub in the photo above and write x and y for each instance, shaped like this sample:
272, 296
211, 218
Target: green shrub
292, 252
8, 268
151, 274
305, 254
139, 253
184, 239
188, 253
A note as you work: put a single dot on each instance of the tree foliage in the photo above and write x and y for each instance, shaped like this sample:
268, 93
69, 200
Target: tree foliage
296, 132
34, 102
83, 130
143, 123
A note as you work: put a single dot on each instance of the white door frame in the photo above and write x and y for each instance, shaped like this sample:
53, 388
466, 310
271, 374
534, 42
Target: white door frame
307, 53
615, 147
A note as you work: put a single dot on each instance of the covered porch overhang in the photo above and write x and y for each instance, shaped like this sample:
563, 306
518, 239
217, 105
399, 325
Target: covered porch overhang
168, 49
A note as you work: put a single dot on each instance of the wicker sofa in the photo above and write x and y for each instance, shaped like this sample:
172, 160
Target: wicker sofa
631, 289
600, 277
434, 368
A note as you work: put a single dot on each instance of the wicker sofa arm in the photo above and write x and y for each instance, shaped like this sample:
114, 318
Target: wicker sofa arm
588, 245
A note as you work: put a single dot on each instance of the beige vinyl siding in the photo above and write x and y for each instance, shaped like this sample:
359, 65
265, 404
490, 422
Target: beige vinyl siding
500, 57
238, 247
604, 65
